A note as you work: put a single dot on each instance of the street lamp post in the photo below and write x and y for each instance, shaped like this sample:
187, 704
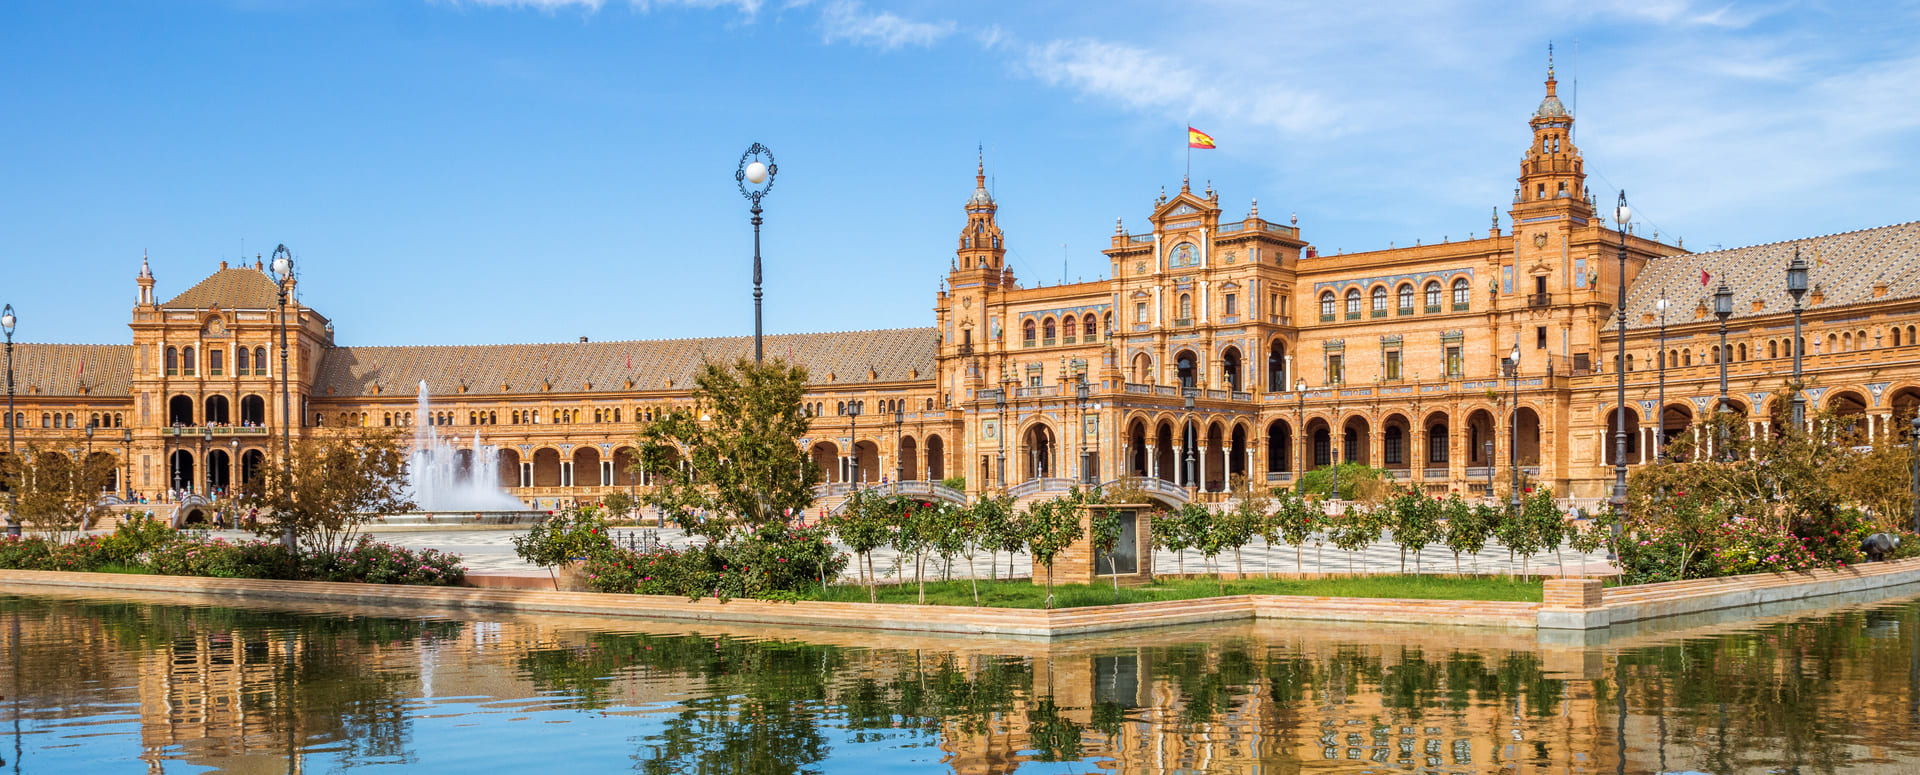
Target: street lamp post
760, 174
6, 324
282, 269
126, 462
1722, 309
1080, 393
1622, 215
899, 428
91, 425
1487, 448
173, 464
853, 445
1189, 437
1513, 431
1660, 404
1000, 456
206, 446
1300, 456
1797, 287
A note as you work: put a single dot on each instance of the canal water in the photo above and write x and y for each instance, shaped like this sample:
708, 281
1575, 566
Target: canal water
166, 685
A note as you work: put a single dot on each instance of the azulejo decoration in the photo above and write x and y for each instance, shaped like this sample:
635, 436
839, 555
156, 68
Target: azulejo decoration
1140, 266
1183, 254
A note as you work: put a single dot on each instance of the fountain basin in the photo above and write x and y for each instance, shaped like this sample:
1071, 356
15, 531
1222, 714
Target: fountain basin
460, 518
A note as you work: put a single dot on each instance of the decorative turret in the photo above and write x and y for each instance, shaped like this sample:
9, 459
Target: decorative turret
145, 281
1552, 176
981, 251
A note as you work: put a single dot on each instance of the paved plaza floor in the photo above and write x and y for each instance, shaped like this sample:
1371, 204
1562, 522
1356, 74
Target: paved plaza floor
492, 551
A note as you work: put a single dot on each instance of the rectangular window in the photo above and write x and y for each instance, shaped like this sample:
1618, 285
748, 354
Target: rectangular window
1139, 312
1394, 449
1455, 368
1233, 304
1540, 337
1506, 280
216, 361
1033, 380
1333, 369
1393, 364
1437, 448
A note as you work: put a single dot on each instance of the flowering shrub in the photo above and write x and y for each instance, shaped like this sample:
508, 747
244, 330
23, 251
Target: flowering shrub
1688, 537
152, 546
25, 552
1749, 546
371, 562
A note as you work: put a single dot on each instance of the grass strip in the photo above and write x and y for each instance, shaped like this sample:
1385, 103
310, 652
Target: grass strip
1023, 594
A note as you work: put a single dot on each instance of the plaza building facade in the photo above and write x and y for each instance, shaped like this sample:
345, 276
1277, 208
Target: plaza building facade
1224, 348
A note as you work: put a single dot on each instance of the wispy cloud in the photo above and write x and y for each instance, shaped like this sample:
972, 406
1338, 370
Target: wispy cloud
850, 22
1164, 84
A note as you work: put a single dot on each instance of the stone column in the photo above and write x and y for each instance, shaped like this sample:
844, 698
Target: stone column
1206, 451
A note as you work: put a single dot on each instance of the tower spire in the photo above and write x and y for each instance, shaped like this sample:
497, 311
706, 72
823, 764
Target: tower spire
980, 167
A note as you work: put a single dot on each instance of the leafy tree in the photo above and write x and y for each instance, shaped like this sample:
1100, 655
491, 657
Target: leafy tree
917, 526
999, 530
1051, 526
54, 492
862, 525
1547, 524
1354, 531
1104, 530
1358, 482
331, 486
578, 533
1246, 519
618, 503
1294, 521
1169, 536
952, 535
735, 458
1416, 523
1467, 530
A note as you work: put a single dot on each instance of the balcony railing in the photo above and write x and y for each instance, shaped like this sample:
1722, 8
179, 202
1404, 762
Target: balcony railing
1540, 300
1242, 396
1461, 306
219, 430
1433, 473
1433, 309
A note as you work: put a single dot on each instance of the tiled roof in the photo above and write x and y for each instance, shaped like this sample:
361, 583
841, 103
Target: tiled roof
231, 288
1844, 267
62, 369
901, 354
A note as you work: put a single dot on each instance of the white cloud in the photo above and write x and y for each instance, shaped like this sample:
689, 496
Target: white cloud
1146, 81
848, 21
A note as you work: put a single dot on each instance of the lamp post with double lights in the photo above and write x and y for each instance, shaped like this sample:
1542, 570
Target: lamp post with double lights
126, 462
853, 445
899, 430
1797, 287
1080, 393
1622, 216
206, 447
91, 425
1189, 436
6, 324
1300, 431
1513, 427
1913, 440
1660, 411
282, 269
1000, 456
1722, 309
753, 170
1487, 448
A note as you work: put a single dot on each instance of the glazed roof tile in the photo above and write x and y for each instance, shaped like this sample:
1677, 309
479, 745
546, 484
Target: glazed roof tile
836, 358
1843, 267
63, 369
230, 288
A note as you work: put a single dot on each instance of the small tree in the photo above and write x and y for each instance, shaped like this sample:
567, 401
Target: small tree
1519, 534
1170, 535
1051, 526
1294, 520
917, 526
619, 504
579, 533
331, 486
999, 530
735, 458
1416, 523
953, 535
1209, 534
1104, 530
1548, 526
1246, 519
862, 526
1354, 531
53, 492
1466, 531
1358, 482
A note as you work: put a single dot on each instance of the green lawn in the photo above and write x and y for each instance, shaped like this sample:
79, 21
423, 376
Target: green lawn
1022, 594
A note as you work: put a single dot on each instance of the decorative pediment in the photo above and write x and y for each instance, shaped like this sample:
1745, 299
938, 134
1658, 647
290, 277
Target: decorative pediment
1186, 206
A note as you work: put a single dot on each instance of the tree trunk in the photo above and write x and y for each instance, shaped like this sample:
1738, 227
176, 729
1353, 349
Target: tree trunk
873, 595
1299, 569
920, 574
1049, 582
993, 564
1239, 570
974, 578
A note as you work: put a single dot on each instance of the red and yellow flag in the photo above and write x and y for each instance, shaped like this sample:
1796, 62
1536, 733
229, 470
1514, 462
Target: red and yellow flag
1198, 139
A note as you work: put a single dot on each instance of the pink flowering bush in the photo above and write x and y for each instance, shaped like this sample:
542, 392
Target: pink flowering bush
773, 560
138, 544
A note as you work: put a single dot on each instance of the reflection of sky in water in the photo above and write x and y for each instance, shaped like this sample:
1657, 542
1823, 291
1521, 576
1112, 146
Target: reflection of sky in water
110, 686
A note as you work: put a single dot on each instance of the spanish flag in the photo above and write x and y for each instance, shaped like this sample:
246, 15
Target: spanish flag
1199, 139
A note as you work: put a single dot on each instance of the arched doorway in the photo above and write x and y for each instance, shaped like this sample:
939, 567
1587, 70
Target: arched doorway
507, 461
1529, 436
586, 466
180, 465
623, 460
1480, 432
1142, 369
250, 463
1320, 439
936, 458
253, 411
1186, 367
1137, 450
546, 467
1356, 441
219, 471
1237, 456
1277, 366
1396, 453
1037, 452
1279, 446
1163, 442
217, 410
1213, 469
1850, 417
1439, 452
866, 456
826, 457
908, 467
180, 410
1676, 420
1610, 445
1230, 368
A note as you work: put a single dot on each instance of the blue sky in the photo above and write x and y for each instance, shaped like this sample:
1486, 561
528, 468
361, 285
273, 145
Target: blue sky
474, 171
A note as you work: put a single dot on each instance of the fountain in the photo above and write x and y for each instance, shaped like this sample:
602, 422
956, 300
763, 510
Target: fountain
445, 490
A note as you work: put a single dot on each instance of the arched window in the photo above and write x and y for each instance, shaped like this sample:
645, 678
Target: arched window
186, 361
1028, 332
242, 361
173, 362
1460, 293
1686, 357
1896, 336
1090, 330
1108, 320
1379, 300
1773, 349
1629, 361
1186, 306
259, 361
1326, 305
1353, 302
1047, 330
1433, 296
1406, 298
1740, 354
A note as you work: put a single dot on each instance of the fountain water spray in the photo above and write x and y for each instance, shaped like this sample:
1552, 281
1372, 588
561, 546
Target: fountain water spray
437, 482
